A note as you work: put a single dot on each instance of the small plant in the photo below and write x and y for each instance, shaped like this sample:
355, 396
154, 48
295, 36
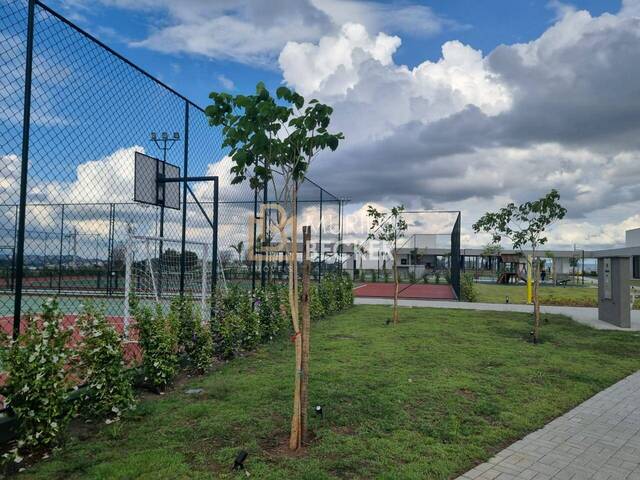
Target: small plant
38, 385
412, 277
468, 288
374, 276
437, 277
109, 390
425, 278
158, 336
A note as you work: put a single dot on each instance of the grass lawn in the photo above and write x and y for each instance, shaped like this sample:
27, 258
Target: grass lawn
549, 295
428, 398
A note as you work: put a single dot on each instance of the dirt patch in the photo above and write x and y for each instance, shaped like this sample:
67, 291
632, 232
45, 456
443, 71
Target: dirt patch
466, 393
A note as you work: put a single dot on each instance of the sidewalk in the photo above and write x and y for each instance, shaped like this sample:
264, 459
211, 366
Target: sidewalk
584, 315
599, 440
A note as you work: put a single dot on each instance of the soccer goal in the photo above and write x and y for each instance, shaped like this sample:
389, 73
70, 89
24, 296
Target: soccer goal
153, 270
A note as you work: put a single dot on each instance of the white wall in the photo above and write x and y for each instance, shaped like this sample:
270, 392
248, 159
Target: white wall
632, 238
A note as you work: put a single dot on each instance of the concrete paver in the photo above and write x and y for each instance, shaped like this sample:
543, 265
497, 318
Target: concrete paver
598, 440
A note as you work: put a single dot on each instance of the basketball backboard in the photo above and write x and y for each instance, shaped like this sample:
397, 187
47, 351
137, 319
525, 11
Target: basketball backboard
147, 189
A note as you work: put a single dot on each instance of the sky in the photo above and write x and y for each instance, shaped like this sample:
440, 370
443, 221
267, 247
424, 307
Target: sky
444, 104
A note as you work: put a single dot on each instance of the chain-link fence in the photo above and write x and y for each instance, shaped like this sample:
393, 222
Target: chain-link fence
72, 115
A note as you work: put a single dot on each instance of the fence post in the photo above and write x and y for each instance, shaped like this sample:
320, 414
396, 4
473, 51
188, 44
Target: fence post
26, 124
340, 233
255, 234
183, 262
61, 248
214, 249
265, 226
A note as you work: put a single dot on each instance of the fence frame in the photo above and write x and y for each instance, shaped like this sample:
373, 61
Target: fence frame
18, 256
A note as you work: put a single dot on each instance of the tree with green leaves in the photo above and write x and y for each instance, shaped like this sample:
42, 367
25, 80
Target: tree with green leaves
269, 136
238, 248
388, 227
525, 225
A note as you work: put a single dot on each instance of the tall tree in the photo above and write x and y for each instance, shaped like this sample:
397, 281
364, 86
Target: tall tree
269, 136
525, 226
388, 227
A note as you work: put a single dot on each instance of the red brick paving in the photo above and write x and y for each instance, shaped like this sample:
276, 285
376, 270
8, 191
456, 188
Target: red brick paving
415, 292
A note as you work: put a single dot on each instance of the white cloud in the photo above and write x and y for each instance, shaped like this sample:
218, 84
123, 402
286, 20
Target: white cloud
226, 82
473, 132
255, 31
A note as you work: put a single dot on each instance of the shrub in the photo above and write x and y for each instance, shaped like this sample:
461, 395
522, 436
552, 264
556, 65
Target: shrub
468, 288
316, 306
235, 326
447, 276
268, 304
412, 277
158, 337
202, 352
109, 390
425, 278
385, 275
437, 277
374, 276
194, 339
38, 385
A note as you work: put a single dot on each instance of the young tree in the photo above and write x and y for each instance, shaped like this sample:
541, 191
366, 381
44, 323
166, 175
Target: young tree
269, 136
525, 225
388, 227
238, 249
362, 250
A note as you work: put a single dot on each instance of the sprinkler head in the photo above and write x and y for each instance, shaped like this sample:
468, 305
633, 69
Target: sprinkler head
388, 321
506, 299
318, 411
238, 463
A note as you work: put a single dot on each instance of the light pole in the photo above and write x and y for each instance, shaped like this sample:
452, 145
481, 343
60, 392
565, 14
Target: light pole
164, 143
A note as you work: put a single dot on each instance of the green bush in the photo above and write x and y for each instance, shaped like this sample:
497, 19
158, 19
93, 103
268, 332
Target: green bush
37, 387
316, 307
374, 276
268, 303
437, 277
468, 291
109, 390
202, 353
236, 325
158, 337
194, 338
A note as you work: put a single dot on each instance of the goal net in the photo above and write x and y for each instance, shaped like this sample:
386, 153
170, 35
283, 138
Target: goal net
153, 270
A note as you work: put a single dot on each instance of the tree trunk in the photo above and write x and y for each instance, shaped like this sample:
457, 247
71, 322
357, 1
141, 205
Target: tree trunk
306, 334
295, 439
536, 301
397, 286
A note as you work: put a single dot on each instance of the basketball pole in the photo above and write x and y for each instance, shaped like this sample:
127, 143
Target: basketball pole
213, 222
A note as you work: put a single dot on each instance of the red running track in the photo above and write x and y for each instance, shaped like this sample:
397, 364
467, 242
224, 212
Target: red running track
414, 292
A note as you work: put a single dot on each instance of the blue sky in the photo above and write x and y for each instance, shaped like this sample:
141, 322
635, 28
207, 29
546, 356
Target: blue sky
483, 25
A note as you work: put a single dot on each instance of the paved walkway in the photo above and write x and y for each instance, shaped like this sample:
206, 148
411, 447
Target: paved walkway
599, 440
584, 315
